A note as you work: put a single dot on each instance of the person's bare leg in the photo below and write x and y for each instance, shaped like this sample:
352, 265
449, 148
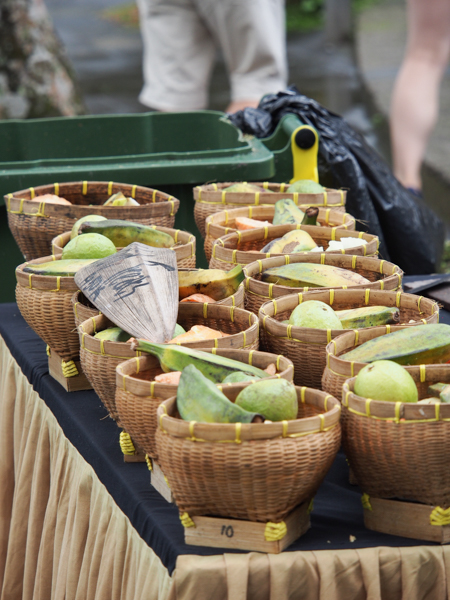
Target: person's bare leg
415, 100
241, 104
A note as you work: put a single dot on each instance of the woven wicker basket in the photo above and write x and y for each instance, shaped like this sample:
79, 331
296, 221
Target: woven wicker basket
34, 224
244, 247
306, 347
257, 472
184, 248
397, 449
45, 303
138, 395
337, 370
221, 223
99, 358
212, 198
83, 309
382, 275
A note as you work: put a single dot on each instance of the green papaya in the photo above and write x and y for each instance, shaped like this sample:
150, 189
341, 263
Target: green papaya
424, 344
274, 399
214, 367
436, 389
244, 188
305, 186
198, 399
294, 241
215, 283
312, 275
368, 316
238, 377
286, 211
113, 334
311, 215
59, 268
124, 233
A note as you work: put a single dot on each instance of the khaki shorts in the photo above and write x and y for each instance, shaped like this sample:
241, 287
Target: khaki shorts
181, 38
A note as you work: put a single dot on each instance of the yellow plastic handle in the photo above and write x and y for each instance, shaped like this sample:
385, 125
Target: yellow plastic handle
304, 148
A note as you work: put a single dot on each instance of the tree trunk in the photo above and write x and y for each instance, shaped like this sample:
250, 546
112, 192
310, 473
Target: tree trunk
36, 79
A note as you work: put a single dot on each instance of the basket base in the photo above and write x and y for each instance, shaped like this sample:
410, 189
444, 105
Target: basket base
158, 481
246, 535
406, 519
70, 384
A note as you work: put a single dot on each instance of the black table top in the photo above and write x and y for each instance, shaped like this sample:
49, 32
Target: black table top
337, 513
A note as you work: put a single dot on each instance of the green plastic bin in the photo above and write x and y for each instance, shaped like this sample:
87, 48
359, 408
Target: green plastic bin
172, 152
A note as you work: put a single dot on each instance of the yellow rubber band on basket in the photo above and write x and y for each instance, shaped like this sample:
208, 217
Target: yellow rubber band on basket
245, 339
333, 232
367, 405
205, 310
310, 506
285, 429
356, 331
275, 307
265, 185
388, 329
345, 402
437, 411
133, 191
126, 444
354, 257
398, 408
423, 373
32, 193
186, 520
352, 368
382, 284
328, 336
322, 258
257, 198
397, 298
48, 350
418, 303
331, 297
381, 267
300, 298
214, 186
176, 236
148, 460
56, 189
295, 197
365, 501
275, 531
223, 197
282, 187
303, 394
231, 313
69, 368
266, 232
367, 296
440, 516
84, 189
110, 186
279, 357
250, 357
233, 257
191, 430
270, 290
29, 281
325, 199
289, 331
260, 265
237, 438
327, 217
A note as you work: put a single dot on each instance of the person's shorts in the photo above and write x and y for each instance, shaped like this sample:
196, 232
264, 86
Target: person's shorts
181, 38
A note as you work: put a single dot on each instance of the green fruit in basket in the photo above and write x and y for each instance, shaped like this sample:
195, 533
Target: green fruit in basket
198, 399
286, 211
178, 330
59, 268
274, 399
77, 224
386, 380
124, 233
244, 188
294, 241
214, 367
91, 245
239, 377
368, 316
306, 186
315, 314
312, 275
424, 344
113, 334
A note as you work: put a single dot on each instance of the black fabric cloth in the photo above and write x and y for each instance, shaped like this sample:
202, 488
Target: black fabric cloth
337, 510
410, 233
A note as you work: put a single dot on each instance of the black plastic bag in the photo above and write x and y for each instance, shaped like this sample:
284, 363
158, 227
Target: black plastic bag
411, 234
